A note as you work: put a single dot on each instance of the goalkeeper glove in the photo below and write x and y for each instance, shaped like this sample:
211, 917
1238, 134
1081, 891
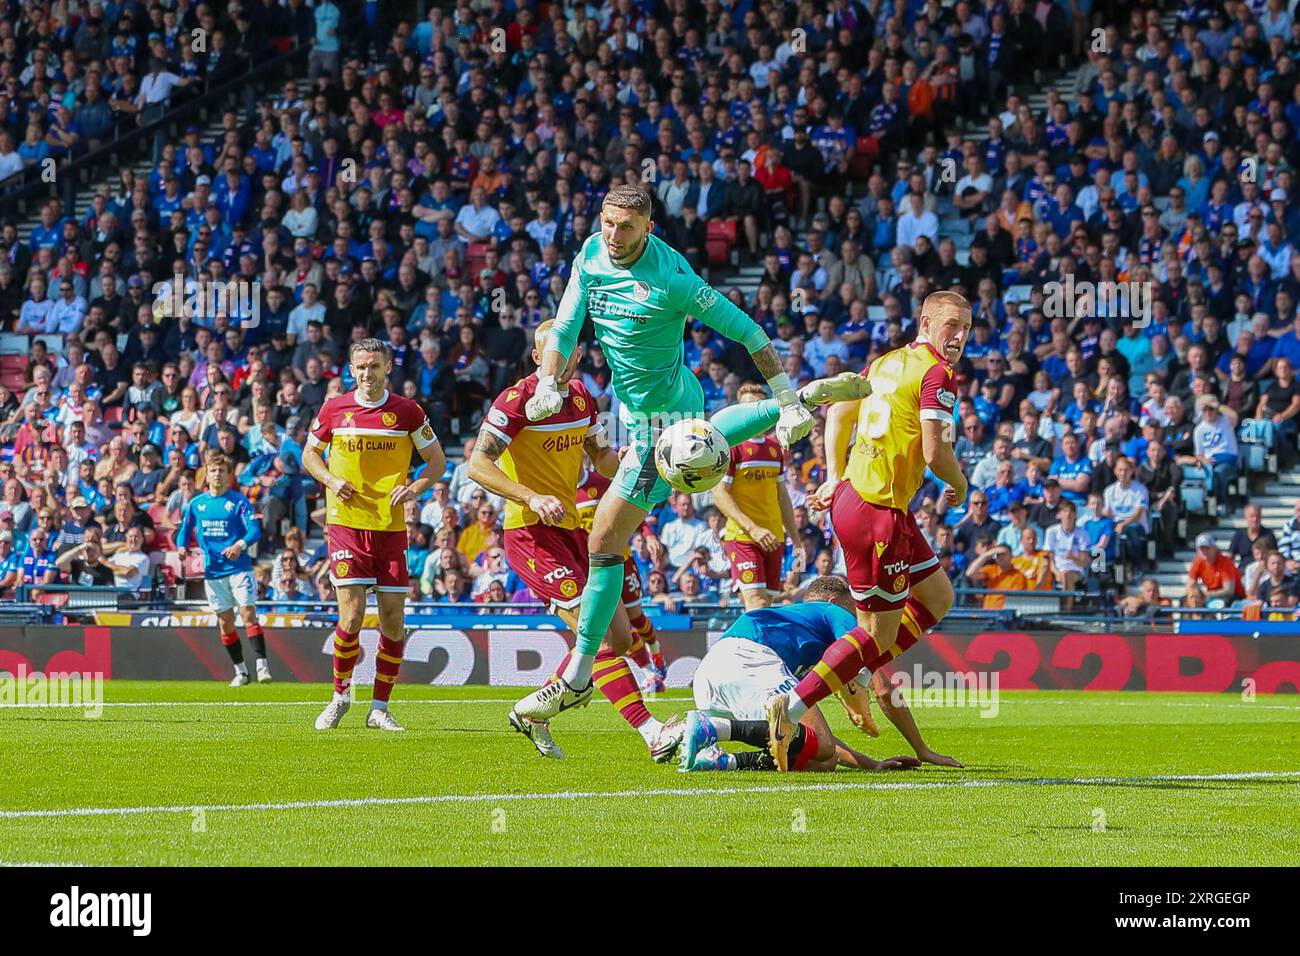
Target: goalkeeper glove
795, 421
546, 400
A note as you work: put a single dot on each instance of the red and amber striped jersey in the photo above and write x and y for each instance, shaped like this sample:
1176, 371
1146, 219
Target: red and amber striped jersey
547, 455
908, 385
591, 488
753, 478
370, 446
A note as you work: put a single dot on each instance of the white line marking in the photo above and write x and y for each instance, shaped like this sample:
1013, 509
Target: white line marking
623, 794
284, 703
1216, 700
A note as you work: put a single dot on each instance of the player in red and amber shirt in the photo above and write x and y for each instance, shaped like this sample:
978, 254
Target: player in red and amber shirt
759, 515
892, 571
369, 435
535, 466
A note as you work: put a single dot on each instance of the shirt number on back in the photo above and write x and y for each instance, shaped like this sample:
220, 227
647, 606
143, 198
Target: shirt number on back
883, 383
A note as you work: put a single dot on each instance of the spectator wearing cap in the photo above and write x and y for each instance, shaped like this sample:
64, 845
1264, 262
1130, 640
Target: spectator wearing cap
1214, 571
1215, 450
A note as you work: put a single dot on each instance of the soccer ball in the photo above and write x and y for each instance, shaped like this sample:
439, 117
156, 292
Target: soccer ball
692, 455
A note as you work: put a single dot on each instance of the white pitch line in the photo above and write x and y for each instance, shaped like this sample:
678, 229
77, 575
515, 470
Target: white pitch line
638, 794
280, 703
1216, 701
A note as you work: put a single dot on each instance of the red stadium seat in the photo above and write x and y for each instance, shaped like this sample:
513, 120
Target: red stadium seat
113, 415
13, 371
719, 251
721, 229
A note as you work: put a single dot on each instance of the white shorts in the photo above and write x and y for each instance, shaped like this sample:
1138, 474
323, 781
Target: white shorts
737, 677
234, 590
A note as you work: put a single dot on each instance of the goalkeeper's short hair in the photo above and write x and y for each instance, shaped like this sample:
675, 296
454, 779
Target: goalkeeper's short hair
370, 345
630, 196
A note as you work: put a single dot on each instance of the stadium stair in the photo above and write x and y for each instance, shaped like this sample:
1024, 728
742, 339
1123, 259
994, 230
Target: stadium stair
1276, 502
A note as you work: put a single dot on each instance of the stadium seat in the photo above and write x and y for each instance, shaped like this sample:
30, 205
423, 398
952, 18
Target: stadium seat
718, 250
13, 371
113, 415
724, 229
11, 343
1020, 292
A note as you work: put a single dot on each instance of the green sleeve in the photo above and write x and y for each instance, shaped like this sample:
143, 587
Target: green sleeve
571, 312
696, 297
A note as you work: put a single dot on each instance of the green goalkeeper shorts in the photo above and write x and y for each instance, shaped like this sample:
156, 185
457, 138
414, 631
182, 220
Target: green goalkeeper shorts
638, 480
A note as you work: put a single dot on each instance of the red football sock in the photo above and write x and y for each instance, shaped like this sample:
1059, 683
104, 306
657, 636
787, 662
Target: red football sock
638, 653
917, 619
346, 650
839, 665
229, 637
614, 679
388, 661
807, 751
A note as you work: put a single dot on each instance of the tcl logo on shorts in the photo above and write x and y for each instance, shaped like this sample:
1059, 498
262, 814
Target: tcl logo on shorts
560, 572
344, 555
896, 568
746, 565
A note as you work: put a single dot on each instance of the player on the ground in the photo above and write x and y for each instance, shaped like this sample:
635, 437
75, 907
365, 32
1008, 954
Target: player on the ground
759, 515
893, 574
638, 293
370, 435
224, 527
758, 656
535, 466
645, 650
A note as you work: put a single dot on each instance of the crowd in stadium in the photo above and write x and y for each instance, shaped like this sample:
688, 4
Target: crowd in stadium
432, 182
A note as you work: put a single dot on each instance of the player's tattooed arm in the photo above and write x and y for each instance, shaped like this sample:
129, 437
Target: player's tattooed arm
484, 469
768, 362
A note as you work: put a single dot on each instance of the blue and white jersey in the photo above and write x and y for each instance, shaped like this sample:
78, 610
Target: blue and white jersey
797, 633
217, 522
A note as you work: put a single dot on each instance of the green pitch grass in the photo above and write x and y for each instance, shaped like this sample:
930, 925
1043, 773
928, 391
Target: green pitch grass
171, 775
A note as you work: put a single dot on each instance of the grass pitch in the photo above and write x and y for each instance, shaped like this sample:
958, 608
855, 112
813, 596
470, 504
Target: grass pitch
187, 773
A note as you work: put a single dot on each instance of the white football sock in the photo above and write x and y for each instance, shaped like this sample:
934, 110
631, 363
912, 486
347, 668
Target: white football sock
650, 730
721, 727
578, 672
796, 707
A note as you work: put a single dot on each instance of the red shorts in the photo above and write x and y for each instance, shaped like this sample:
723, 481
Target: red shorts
884, 551
368, 558
631, 583
551, 561
752, 568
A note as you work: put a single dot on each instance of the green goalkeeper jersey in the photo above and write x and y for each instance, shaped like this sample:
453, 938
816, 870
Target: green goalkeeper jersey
640, 315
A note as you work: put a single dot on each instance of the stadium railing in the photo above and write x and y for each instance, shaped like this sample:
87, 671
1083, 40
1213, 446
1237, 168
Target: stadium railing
20, 193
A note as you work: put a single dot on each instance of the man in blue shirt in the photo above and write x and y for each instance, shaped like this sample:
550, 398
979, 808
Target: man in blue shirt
325, 53
224, 526
758, 657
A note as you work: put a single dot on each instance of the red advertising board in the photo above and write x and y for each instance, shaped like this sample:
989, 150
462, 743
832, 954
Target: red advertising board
1133, 660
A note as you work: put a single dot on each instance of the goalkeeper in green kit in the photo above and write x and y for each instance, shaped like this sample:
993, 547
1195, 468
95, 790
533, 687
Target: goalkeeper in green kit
639, 293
